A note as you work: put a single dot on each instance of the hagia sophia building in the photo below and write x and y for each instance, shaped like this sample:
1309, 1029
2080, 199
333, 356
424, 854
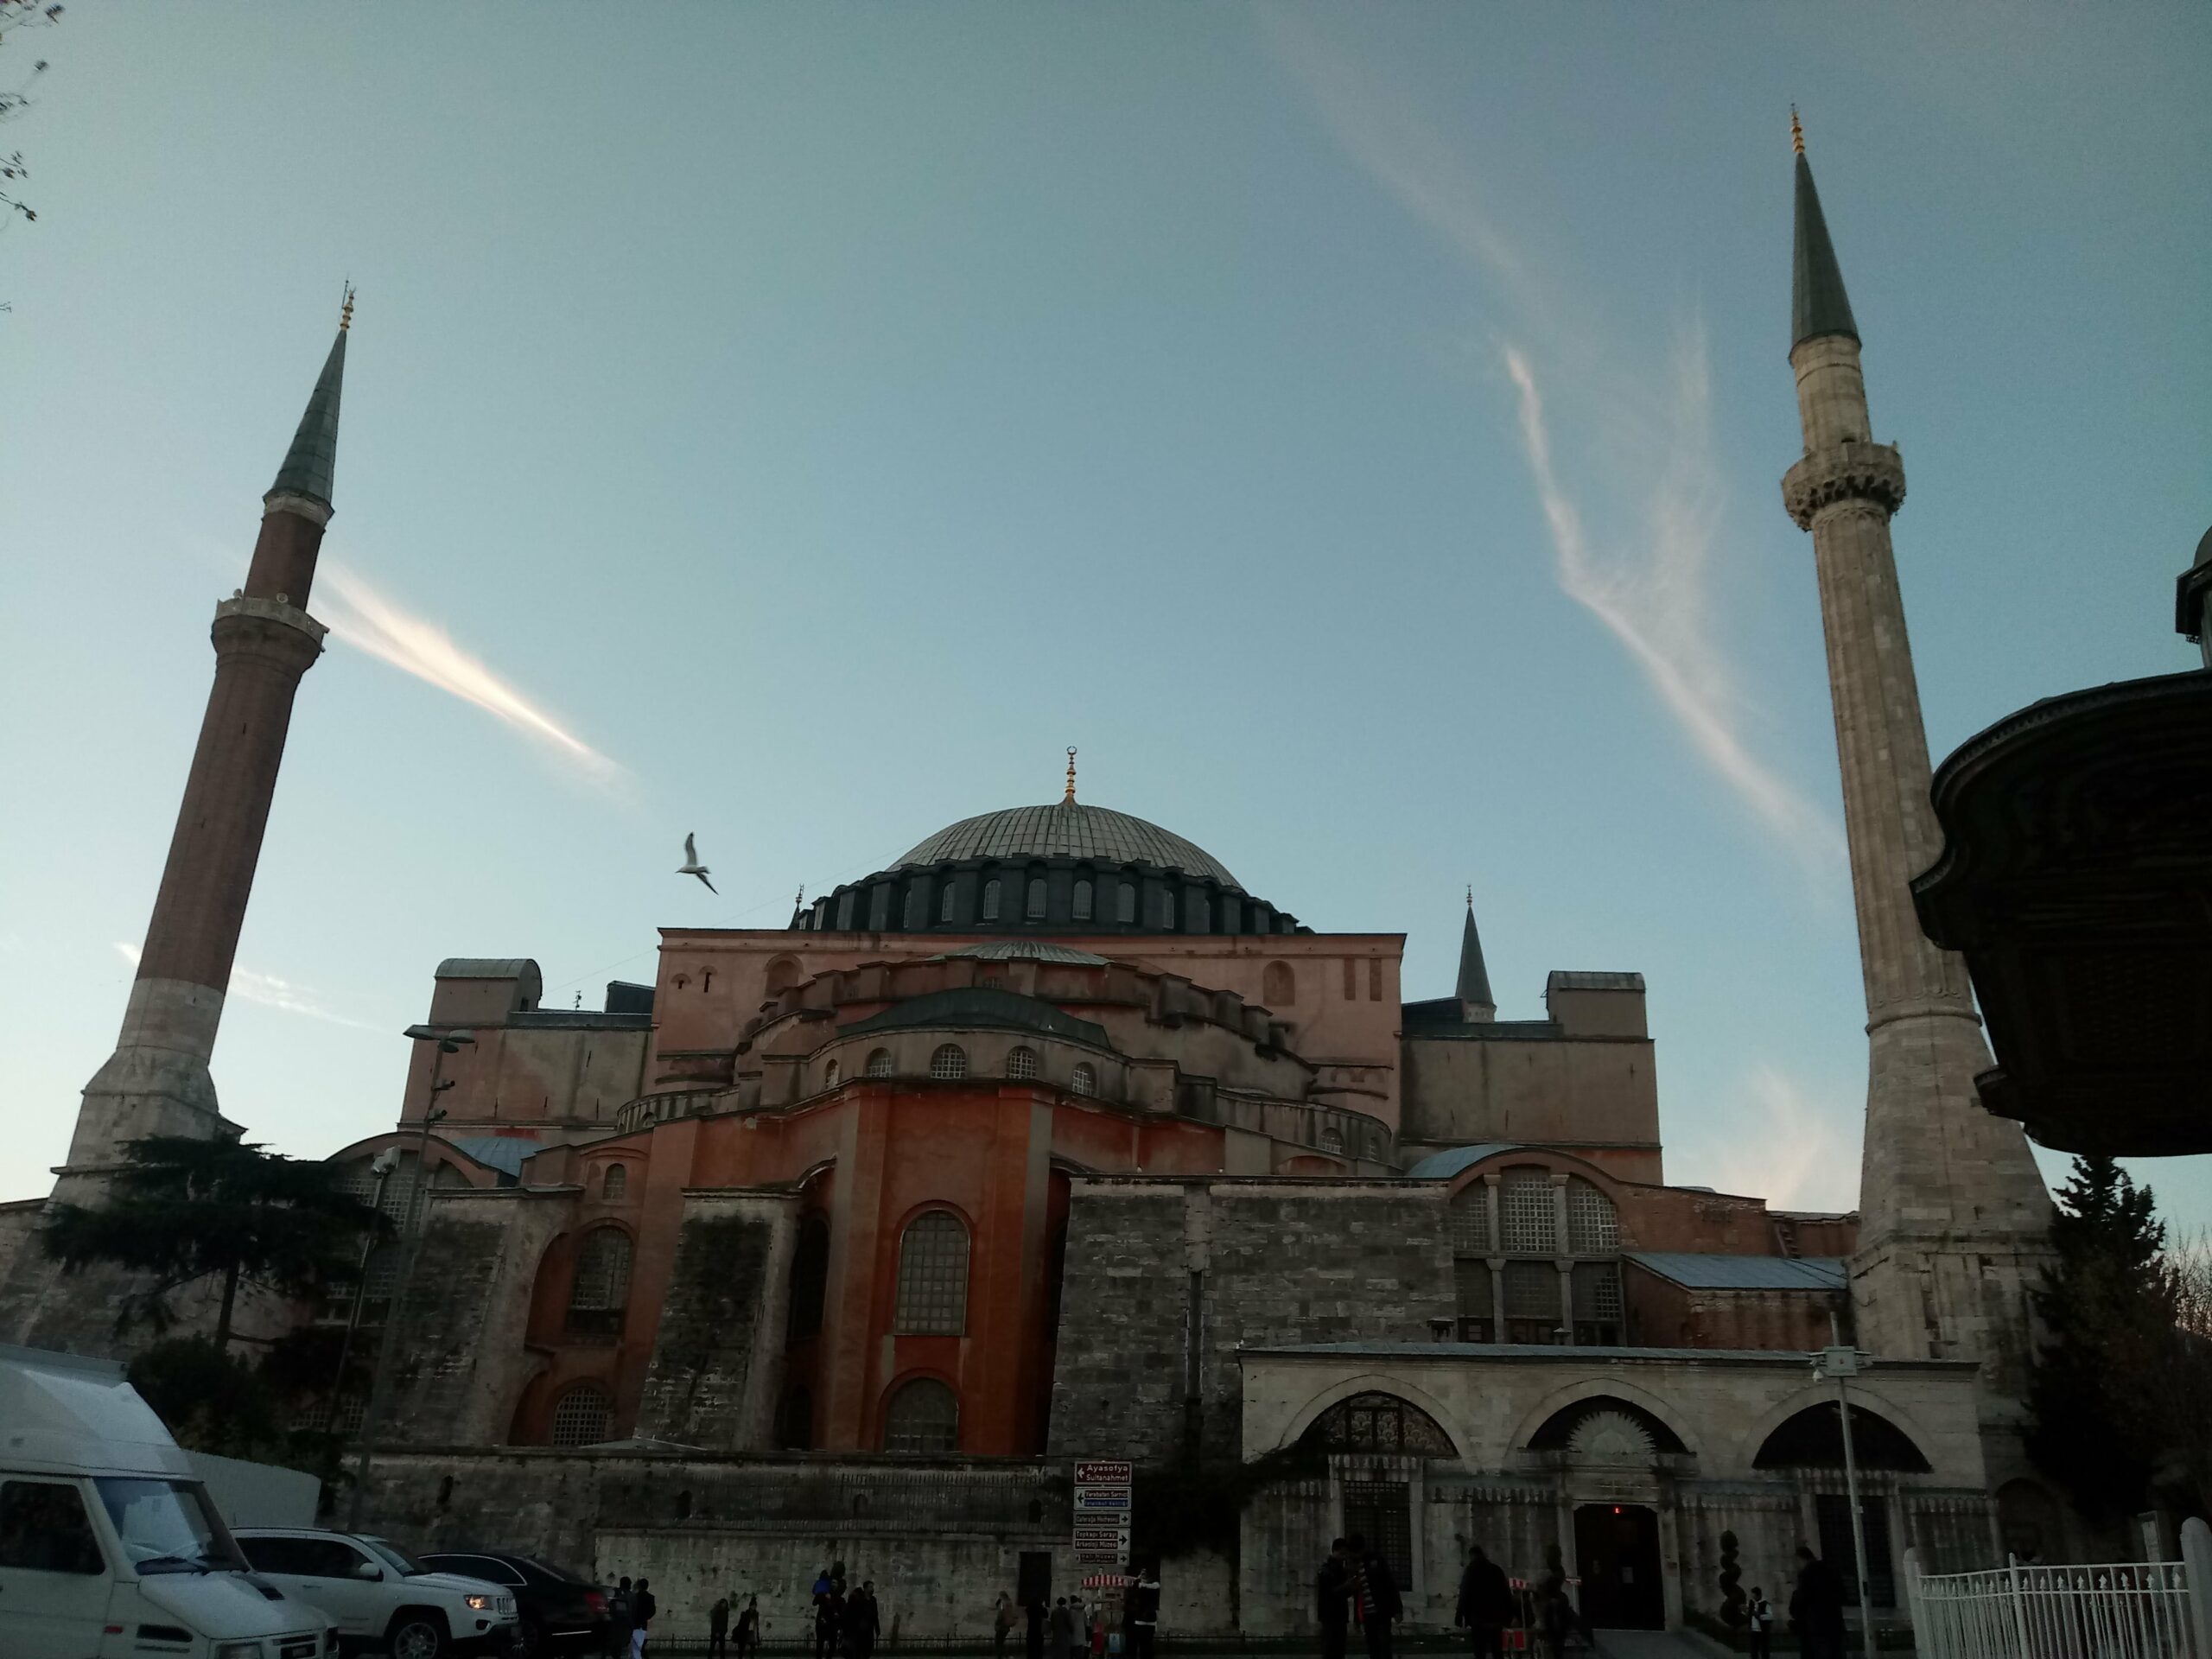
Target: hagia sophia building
1053, 1140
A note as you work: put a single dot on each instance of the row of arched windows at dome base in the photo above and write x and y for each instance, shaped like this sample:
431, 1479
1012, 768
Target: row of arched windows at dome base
948, 1063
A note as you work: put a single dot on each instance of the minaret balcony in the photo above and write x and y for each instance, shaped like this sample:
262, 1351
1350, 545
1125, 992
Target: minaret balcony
1849, 471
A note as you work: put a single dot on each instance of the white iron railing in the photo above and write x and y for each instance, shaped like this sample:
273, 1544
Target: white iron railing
2136, 1610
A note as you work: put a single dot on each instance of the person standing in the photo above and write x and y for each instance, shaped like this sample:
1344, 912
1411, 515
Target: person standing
1333, 1600
718, 1629
1062, 1632
1144, 1611
825, 1624
1485, 1604
642, 1609
1079, 1628
748, 1630
618, 1620
1816, 1607
1374, 1595
1032, 1641
1758, 1615
863, 1621
1001, 1625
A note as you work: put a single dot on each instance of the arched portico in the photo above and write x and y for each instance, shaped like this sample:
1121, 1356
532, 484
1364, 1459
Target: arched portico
1377, 1382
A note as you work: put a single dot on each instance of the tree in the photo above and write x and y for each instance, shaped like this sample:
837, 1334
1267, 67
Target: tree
2107, 1313
185, 1211
16, 14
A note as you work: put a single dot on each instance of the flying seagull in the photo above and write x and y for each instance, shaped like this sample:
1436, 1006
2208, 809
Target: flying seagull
693, 866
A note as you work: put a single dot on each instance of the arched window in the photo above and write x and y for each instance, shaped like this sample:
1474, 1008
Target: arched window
878, 1063
1167, 910
1201, 914
782, 974
600, 1290
879, 908
1034, 908
1083, 897
1279, 985
916, 912
794, 1419
809, 1280
580, 1416
951, 1061
991, 899
1380, 1422
1814, 1440
1022, 1063
945, 903
1593, 1227
924, 1415
1125, 903
1085, 1080
1526, 1215
933, 1277
829, 1075
614, 1183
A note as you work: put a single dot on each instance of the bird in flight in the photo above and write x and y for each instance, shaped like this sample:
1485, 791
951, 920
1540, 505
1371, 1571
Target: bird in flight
693, 866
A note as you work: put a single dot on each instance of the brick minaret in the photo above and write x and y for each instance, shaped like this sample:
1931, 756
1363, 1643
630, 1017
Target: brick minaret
157, 1080
1953, 1208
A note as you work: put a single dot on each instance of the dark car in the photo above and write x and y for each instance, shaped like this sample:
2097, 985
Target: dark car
556, 1611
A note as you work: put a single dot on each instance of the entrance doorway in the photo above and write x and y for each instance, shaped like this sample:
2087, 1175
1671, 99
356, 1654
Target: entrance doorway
1617, 1546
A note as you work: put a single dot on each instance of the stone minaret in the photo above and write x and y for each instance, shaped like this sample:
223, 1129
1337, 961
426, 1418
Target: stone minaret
156, 1082
1953, 1209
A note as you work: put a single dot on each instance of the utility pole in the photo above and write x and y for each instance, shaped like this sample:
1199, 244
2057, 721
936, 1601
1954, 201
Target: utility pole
1838, 1361
449, 1042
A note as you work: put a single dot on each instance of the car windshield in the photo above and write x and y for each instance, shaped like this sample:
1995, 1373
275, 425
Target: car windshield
167, 1525
408, 1568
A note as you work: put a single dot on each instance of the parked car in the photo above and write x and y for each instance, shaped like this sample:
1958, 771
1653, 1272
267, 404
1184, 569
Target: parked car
381, 1597
107, 1537
558, 1612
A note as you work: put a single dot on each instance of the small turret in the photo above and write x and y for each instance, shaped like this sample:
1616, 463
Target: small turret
1818, 304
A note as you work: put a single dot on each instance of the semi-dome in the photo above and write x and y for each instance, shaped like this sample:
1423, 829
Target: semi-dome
1067, 830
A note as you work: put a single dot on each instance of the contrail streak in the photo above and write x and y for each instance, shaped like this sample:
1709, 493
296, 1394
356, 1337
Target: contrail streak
368, 621
269, 992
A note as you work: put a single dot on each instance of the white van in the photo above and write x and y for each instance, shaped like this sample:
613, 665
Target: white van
108, 1543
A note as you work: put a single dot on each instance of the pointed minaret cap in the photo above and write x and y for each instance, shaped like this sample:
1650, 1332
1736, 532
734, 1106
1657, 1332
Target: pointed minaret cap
1476, 1002
1818, 304
312, 457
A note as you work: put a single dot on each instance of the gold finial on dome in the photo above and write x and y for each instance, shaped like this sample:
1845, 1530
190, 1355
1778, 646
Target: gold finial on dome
345, 311
1796, 132
1068, 799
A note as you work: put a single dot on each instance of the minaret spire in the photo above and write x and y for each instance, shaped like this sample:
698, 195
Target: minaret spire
1952, 1210
1477, 1006
309, 463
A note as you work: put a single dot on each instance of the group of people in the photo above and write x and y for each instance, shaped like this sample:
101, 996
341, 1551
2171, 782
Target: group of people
1069, 1629
847, 1622
630, 1613
1355, 1587
749, 1628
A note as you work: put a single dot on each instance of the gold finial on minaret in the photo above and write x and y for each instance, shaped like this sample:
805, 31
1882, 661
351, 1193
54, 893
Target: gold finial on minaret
1471, 895
1068, 799
800, 903
345, 311
1796, 132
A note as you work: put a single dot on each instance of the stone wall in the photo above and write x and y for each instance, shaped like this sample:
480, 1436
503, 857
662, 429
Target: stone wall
1171, 1278
718, 1353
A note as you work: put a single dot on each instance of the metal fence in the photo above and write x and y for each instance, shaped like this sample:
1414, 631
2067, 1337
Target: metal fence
2132, 1609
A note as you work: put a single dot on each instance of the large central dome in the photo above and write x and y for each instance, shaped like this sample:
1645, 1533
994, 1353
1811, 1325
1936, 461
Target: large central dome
1067, 830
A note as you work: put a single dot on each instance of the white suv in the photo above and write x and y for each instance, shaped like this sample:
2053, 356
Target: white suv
377, 1597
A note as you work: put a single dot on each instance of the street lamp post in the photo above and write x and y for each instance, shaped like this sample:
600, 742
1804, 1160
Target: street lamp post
449, 1042
1838, 1361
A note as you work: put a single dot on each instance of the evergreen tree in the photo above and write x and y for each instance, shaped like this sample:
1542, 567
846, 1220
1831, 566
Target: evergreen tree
184, 1211
2106, 1313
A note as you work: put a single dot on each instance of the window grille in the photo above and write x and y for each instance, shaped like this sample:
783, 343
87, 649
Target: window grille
1597, 1291
1125, 904
1833, 1511
945, 903
1532, 1291
580, 1416
1034, 908
951, 1061
1086, 1081
601, 1287
1474, 1287
1083, 897
1167, 910
1526, 1215
878, 1063
1022, 1063
1382, 1422
924, 1415
1471, 1220
916, 912
348, 1414
1381, 1511
991, 900
933, 1277
1593, 1226
614, 1183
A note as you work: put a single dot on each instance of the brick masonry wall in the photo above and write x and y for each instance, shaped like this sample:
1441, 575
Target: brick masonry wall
718, 1351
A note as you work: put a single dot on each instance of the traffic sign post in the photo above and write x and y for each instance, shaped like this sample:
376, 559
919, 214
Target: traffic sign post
1103, 1489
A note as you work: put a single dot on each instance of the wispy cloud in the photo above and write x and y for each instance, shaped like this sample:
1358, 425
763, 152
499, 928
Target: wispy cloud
1782, 1141
271, 992
371, 621
1651, 587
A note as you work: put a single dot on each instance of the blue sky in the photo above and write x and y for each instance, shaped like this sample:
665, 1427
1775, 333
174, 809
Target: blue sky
1357, 429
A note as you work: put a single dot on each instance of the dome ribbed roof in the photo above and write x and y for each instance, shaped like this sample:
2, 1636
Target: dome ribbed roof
1067, 830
